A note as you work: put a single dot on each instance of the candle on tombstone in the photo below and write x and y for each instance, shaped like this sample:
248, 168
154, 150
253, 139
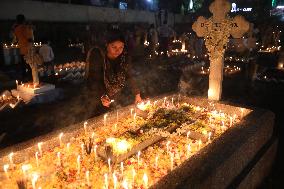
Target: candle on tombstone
155, 102
85, 127
82, 148
60, 138
138, 159
124, 184
209, 136
11, 158
5, 168
131, 112
17, 83
115, 127
165, 101
59, 158
68, 147
25, 168
34, 180
88, 178
173, 101
105, 121
78, 164
95, 151
199, 144
231, 121
172, 161
39, 145
18, 97
145, 180
114, 181
121, 168
187, 135
133, 176
134, 117
188, 150
109, 165
242, 112
116, 116
106, 180
156, 162
36, 156
168, 146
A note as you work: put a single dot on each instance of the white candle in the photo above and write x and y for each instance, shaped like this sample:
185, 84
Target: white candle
25, 168
173, 101
18, 97
105, 121
133, 176
242, 112
95, 151
88, 178
114, 181
34, 179
131, 112
187, 135
155, 103
82, 148
134, 119
59, 158
209, 136
60, 138
17, 83
68, 147
172, 161
5, 168
39, 148
85, 127
168, 148
199, 144
165, 101
156, 162
36, 156
124, 184
188, 150
116, 116
109, 165
11, 158
106, 180
121, 168
78, 164
145, 180
138, 159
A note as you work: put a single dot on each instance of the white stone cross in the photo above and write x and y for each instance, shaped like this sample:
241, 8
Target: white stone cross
216, 30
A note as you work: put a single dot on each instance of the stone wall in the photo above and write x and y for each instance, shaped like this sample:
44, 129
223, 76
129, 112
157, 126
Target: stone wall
57, 12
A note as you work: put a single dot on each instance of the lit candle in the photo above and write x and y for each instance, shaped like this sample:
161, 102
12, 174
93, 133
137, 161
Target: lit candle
231, 121
109, 165
39, 148
60, 139
88, 178
167, 145
95, 151
133, 176
209, 136
199, 144
188, 150
165, 101
172, 161
134, 119
156, 162
114, 181
11, 158
242, 112
105, 121
131, 112
115, 127
93, 135
5, 168
25, 168
124, 184
18, 97
187, 135
145, 180
82, 148
121, 168
36, 156
173, 101
155, 103
17, 83
78, 164
85, 127
138, 159
68, 147
34, 179
59, 158
106, 180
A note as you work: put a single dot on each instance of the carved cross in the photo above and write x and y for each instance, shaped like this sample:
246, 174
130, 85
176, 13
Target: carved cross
216, 30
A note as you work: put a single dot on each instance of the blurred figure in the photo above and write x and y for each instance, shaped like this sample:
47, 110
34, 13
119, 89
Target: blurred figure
152, 37
48, 57
165, 34
24, 36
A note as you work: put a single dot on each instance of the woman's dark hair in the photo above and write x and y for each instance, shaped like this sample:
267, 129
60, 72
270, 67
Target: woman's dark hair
114, 35
20, 19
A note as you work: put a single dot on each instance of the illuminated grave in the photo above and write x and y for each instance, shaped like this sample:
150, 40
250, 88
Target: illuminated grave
210, 145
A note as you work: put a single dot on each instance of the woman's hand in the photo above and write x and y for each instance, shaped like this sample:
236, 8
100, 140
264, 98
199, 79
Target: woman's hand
105, 101
138, 98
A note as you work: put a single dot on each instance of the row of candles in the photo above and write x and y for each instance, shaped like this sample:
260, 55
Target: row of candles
227, 69
112, 173
7, 46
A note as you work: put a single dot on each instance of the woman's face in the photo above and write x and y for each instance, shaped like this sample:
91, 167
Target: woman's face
115, 49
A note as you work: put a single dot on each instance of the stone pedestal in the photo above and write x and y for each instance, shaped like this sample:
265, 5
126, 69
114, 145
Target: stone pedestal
216, 79
37, 90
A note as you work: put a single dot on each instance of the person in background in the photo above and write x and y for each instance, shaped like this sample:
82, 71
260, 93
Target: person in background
108, 70
24, 36
165, 34
47, 55
152, 39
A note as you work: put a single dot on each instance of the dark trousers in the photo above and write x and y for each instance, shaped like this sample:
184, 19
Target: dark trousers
25, 70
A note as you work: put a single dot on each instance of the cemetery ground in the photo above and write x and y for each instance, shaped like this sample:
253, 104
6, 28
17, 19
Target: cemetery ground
155, 77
